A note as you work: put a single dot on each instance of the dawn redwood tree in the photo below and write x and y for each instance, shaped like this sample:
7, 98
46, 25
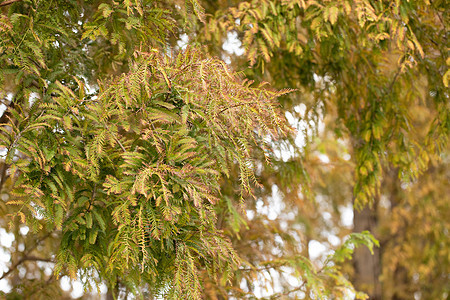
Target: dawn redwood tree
117, 146
147, 167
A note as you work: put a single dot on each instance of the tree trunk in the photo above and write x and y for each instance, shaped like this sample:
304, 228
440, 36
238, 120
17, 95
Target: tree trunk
113, 292
367, 266
109, 295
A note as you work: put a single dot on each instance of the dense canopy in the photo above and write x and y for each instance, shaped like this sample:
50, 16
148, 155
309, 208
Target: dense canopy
141, 155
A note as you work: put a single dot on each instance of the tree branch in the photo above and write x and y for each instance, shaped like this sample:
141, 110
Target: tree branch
391, 86
22, 260
286, 293
8, 2
115, 138
232, 106
28, 258
3, 175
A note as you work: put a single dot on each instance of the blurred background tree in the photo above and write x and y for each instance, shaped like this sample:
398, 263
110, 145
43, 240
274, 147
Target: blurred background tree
372, 110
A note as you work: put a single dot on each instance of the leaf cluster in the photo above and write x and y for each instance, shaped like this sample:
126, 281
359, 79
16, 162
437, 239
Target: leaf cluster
130, 176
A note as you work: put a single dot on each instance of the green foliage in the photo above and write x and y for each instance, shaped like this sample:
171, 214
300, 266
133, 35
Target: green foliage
130, 176
355, 239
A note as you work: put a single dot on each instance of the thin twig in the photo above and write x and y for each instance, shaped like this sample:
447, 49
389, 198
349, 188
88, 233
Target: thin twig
94, 192
115, 138
8, 2
3, 175
289, 291
29, 258
391, 86
232, 106
24, 259
263, 268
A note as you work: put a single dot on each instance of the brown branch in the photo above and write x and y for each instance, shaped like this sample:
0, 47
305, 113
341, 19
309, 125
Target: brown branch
299, 288
440, 17
286, 293
94, 192
232, 106
114, 137
28, 258
391, 86
263, 268
22, 260
8, 2
3, 175
3, 119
